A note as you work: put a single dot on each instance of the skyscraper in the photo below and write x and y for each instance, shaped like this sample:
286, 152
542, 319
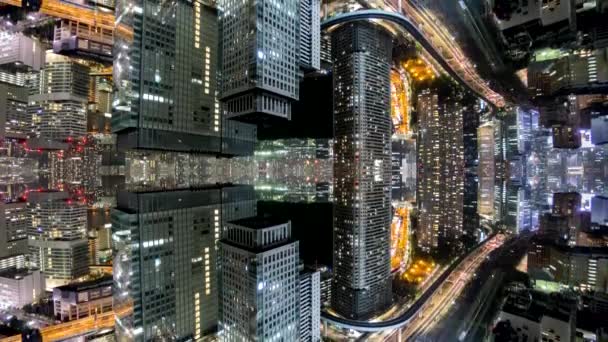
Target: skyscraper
362, 170
430, 169
165, 259
440, 179
309, 303
57, 236
59, 105
165, 77
309, 31
259, 281
264, 45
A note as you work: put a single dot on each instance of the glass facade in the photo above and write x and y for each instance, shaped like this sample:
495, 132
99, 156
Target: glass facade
165, 252
165, 74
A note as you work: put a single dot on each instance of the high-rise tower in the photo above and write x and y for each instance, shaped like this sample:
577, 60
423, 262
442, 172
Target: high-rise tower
259, 281
165, 77
362, 170
259, 57
165, 257
264, 45
440, 159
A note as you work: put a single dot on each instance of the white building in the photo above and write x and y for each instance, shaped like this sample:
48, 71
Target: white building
260, 43
57, 236
258, 281
309, 34
309, 302
19, 287
59, 106
20, 51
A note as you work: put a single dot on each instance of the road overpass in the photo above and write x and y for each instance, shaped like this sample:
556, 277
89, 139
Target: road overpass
411, 28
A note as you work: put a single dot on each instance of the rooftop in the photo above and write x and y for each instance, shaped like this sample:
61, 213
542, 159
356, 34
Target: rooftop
15, 273
259, 222
106, 280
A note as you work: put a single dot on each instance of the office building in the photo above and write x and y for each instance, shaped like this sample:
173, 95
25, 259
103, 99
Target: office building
19, 287
58, 107
15, 221
20, 57
599, 123
19, 52
263, 46
83, 299
309, 303
470, 122
259, 282
14, 119
57, 241
83, 38
581, 268
165, 257
362, 170
440, 178
170, 103
542, 28
309, 34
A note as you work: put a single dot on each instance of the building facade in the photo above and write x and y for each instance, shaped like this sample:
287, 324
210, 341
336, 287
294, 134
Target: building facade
165, 259
362, 170
440, 160
80, 300
19, 287
309, 303
57, 236
170, 103
259, 282
58, 105
260, 43
14, 119
15, 221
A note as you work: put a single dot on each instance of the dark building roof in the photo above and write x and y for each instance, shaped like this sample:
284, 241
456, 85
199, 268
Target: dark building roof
106, 280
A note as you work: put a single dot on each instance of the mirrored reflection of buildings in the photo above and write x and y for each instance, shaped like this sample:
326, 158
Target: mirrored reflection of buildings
294, 170
361, 56
165, 259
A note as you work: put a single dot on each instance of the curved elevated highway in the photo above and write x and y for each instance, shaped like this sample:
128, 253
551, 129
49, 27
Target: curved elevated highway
408, 26
464, 263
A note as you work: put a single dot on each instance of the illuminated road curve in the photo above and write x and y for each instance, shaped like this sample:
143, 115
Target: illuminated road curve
412, 311
411, 28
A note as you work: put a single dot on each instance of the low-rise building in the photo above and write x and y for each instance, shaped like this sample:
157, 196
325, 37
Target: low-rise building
80, 300
535, 316
19, 287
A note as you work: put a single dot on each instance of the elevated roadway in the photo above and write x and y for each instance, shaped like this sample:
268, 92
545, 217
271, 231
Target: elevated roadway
465, 264
454, 67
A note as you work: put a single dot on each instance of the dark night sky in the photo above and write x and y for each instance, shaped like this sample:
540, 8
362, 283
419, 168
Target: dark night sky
311, 224
311, 116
